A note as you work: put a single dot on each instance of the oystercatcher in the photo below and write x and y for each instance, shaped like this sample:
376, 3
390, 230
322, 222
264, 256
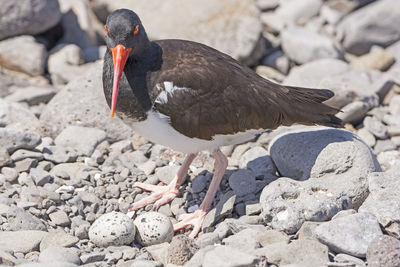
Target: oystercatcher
191, 97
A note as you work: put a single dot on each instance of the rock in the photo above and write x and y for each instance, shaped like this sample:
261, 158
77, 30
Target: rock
79, 23
21, 241
15, 116
121, 146
28, 17
354, 112
384, 145
312, 73
376, 127
377, 59
253, 209
40, 177
12, 140
60, 254
229, 257
7, 259
313, 153
19, 219
59, 154
371, 25
64, 109
267, 4
243, 182
153, 228
350, 260
300, 11
367, 137
302, 45
389, 159
159, 252
307, 230
383, 200
246, 241
181, 249
221, 210
21, 154
32, 95
94, 53
310, 155
269, 73
167, 173
383, 251
277, 60
349, 234
12, 56
64, 63
10, 174
58, 238
199, 183
229, 26
92, 257
304, 252
5, 158
113, 228
60, 218
148, 167
83, 139
146, 263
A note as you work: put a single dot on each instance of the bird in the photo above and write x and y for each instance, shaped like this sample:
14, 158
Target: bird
191, 98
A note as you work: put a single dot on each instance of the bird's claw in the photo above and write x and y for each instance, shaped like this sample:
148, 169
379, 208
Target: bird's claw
196, 219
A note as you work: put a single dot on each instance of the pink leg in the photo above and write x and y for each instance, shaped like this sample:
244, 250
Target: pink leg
163, 194
196, 219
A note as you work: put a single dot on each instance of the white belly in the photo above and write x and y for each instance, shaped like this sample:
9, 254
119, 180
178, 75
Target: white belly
157, 129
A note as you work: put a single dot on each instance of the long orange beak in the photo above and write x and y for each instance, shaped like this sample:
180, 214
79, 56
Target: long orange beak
120, 55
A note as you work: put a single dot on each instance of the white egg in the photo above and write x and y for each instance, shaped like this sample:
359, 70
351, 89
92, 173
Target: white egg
153, 228
112, 229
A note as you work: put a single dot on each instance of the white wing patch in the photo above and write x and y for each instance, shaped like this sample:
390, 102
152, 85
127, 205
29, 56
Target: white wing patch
169, 89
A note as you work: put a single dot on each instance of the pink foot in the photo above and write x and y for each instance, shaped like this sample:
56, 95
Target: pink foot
196, 219
161, 195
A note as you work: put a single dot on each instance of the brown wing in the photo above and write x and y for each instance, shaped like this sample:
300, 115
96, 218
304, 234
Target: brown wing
218, 95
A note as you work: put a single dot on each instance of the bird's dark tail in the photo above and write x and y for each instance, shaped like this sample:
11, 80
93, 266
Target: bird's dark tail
307, 107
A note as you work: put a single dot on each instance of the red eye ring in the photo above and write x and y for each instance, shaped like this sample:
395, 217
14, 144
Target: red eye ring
105, 28
136, 30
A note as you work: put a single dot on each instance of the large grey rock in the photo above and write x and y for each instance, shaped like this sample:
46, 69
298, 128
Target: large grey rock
332, 166
304, 252
384, 200
58, 238
259, 162
383, 251
40, 177
23, 54
349, 234
317, 152
303, 45
82, 103
12, 140
83, 139
21, 241
374, 24
230, 26
20, 17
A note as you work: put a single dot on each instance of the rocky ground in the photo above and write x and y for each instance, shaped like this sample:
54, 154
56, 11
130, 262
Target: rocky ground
298, 196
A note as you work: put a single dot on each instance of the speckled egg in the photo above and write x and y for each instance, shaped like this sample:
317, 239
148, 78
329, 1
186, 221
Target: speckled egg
153, 228
112, 229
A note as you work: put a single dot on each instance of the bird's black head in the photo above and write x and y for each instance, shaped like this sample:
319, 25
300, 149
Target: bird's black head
125, 37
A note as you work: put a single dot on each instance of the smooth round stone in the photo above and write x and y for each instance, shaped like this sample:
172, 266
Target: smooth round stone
112, 229
153, 228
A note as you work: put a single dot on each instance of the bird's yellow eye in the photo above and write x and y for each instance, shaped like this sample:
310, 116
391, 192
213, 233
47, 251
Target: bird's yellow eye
136, 30
105, 28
